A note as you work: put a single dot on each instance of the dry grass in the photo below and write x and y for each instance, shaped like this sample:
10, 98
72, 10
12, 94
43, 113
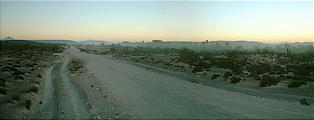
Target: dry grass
76, 64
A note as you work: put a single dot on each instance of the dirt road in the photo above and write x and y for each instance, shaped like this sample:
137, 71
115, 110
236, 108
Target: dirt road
152, 95
62, 99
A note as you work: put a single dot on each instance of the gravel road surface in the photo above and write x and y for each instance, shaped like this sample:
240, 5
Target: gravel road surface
152, 95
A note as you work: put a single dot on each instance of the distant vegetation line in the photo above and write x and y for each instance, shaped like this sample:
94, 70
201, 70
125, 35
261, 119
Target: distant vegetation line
267, 66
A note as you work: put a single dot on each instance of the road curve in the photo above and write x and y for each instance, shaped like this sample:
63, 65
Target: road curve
153, 95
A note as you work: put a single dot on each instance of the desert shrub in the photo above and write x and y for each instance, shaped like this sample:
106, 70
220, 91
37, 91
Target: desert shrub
236, 69
75, 64
227, 63
268, 81
157, 50
227, 75
278, 69
19, 77
197, 69
16, 97
256, 76
262, 68
304, 102
296, 83
2, 83
188, 56
28, 104
33, 89
22, 45
84, 50
235, 80
201, 66
193, 81
3, 91
38, 75
215, 76
17, 72
304, 69
304, 57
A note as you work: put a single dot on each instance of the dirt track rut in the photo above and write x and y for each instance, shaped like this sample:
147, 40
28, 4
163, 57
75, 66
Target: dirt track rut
62, 98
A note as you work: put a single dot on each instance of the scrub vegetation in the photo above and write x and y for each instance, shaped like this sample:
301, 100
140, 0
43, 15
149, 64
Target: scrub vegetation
267, 66
21, 66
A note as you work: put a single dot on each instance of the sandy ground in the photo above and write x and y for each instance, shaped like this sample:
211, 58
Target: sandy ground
61, 98
151, 95
76, 95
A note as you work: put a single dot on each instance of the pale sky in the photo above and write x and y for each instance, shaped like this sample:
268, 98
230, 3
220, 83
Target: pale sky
264, 21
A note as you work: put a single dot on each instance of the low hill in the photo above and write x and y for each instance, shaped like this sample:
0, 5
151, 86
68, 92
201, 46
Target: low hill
8, 38
68, 42
94, 42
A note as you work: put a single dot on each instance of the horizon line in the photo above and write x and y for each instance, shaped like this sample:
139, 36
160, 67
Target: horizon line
120, 41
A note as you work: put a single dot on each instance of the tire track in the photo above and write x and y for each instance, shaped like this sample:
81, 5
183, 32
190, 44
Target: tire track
62, 99
49, 111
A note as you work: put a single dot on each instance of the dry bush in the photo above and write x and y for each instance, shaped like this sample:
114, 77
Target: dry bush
304, 102
3, 91
227, 75
193, 81
75, 64
296, 83
28, 104
235, 80
267, 81
215, 76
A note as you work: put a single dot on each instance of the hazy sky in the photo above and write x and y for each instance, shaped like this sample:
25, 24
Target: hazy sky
265, 21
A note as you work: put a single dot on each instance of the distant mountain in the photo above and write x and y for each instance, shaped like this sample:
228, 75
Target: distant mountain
8, 38
68, 42
94, 42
